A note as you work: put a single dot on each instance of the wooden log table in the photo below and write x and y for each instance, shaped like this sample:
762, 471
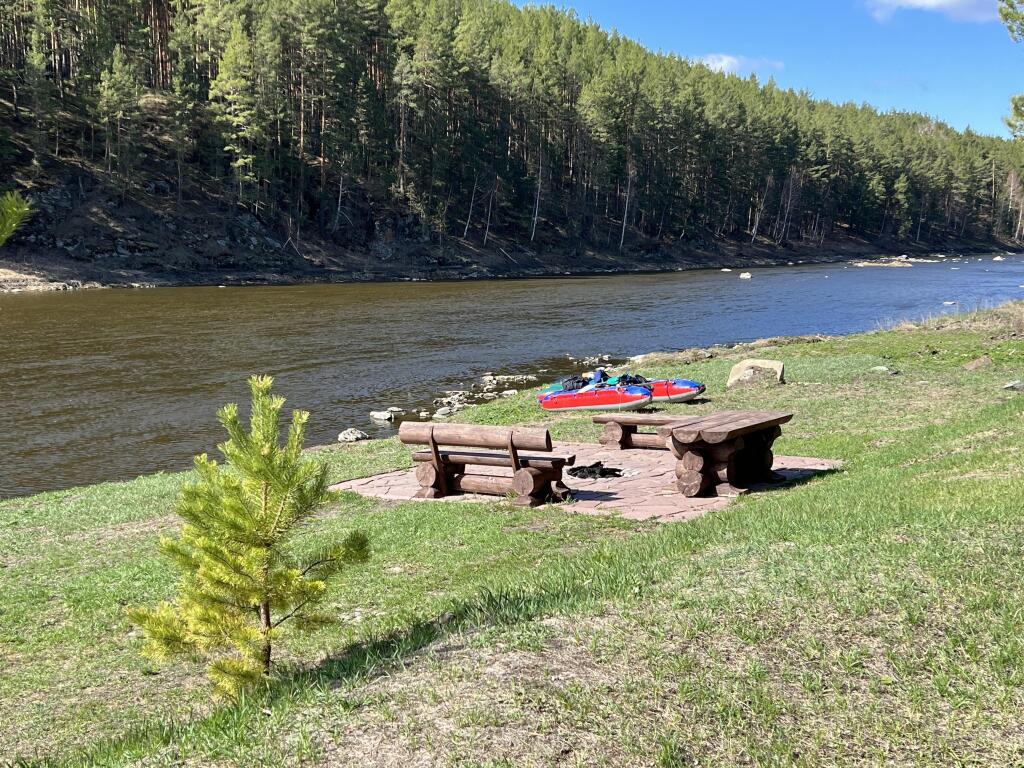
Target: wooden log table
723, 454
622, 430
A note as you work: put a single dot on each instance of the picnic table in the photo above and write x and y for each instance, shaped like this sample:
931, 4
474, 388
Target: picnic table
723, 454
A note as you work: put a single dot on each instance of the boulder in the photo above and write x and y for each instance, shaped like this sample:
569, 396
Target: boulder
1015, 386
443, 412
382, 415
749, 371
352, 435
982, 362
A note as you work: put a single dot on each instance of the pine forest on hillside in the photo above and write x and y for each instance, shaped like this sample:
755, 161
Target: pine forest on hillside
473, 119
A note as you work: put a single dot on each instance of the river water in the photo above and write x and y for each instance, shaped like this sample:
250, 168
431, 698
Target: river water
107, 385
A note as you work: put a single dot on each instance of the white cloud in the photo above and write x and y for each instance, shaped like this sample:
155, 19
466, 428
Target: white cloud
960, 10
737, 65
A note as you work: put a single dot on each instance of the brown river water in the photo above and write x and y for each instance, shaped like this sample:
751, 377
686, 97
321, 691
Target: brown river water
106, 385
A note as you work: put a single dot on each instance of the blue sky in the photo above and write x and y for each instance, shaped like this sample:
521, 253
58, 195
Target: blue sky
949, 58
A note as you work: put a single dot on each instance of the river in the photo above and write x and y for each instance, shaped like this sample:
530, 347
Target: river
109, 384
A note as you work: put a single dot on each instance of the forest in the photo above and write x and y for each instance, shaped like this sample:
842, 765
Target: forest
474, 119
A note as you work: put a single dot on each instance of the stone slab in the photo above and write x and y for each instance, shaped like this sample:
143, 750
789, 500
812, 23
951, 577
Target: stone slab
646, 490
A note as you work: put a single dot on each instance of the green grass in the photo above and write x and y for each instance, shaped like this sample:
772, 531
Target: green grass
870, 616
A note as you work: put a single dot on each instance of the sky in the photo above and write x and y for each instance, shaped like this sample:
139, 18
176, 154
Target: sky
951, 59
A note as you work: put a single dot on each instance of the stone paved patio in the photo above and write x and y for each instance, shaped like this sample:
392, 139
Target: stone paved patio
646, 490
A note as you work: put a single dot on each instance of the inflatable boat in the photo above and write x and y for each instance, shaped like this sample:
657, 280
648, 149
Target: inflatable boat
666, 390
596, 398
662, 390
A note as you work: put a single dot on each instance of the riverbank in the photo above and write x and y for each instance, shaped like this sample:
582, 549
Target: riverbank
158, 359
96, 243
870, 615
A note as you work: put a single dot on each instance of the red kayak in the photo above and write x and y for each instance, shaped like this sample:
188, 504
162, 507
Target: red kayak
597, 399
674, 390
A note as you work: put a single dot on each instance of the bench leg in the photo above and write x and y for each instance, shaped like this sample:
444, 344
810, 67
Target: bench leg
560, 491
536, 486
757, 458
713, 470
725, 469
434, 483
617, 435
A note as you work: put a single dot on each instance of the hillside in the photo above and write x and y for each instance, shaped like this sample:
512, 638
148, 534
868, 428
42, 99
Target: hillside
439, 139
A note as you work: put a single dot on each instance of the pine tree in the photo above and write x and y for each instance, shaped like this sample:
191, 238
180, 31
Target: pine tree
186, 95
118, 105
39, 86
242, 578
234, 105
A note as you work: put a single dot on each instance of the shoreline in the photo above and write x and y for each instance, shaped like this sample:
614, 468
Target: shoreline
26, 277
472, 399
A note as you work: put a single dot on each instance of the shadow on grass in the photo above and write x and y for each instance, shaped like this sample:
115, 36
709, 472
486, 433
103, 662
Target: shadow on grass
603, 574
791, 478
360, 662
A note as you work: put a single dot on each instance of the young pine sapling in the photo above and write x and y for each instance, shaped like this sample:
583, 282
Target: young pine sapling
241, 577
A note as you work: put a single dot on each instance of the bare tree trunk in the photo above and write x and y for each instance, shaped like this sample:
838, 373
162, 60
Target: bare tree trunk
625, 211
490, 203
469, 217
760, 210
536, 202
337, 209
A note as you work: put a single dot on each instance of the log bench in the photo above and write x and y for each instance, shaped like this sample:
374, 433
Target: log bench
723, 454
441, 471
621, 430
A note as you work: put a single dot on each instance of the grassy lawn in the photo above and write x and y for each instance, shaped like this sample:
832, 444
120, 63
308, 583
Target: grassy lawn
871, 616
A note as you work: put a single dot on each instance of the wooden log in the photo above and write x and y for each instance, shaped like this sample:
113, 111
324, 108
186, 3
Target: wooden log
726, 451
615, 434
647, 440
643, 419
494, 459
692, 461
428, 476
692, 483
560, 491
474, 436
691, 431
486, 484
678, 448
530, 482
712, 452
753, 422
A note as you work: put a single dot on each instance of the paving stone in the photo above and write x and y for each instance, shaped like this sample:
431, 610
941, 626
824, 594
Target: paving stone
645, 491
